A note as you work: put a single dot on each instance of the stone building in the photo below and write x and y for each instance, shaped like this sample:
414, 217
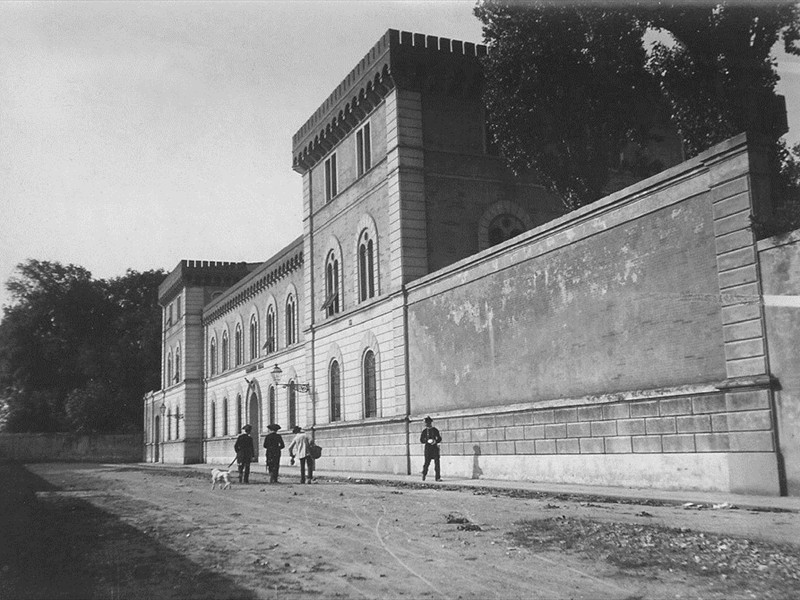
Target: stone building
627, 342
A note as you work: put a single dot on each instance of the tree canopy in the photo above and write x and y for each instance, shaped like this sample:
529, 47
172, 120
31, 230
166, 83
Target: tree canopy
568, 86
77, 354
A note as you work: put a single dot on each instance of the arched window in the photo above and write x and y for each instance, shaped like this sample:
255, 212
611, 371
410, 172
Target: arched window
272, 334
178, 423
331, 305
178, 364
253, 338
238, 413
370, 386
335, 391
213, 430
292, 404
271, 396
169, 424
226, 357
169, 369
212, 356
504, 227
291, 320
366, 267
237, 344
224, 416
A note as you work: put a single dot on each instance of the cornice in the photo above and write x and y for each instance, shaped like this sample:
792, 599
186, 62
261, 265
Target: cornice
260, 281
399, 59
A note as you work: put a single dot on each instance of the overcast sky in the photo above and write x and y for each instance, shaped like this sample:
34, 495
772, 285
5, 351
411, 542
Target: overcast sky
134, 135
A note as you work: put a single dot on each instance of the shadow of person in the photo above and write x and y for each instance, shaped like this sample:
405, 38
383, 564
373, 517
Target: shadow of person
476, 468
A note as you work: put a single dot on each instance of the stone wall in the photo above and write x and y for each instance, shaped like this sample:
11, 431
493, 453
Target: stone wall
378, 445
615, 345
779, 262
67, 447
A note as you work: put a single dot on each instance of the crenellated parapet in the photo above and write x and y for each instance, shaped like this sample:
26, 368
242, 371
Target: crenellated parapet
399, 59
202, 273
267, 275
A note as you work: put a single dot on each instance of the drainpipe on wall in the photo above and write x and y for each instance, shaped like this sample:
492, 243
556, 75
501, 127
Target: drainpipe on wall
407, 380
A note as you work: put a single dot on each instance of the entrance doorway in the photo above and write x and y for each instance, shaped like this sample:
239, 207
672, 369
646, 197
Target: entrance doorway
254, 418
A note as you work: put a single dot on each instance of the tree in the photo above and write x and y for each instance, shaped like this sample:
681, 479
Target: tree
566, 90
716, 71
67, 337
550, 109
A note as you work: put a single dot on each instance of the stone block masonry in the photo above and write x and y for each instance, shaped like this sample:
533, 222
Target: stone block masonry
627, 334
709, 422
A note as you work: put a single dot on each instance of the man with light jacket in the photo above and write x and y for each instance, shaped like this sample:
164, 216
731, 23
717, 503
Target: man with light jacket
300, 448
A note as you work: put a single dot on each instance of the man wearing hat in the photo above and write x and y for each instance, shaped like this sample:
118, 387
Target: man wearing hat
273, 443
244, 453
299, 448
431, 437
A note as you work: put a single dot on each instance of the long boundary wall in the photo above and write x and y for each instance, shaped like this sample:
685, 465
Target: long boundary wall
68, 447
617, 345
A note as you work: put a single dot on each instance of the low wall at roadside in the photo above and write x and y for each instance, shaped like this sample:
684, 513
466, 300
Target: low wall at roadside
68, 447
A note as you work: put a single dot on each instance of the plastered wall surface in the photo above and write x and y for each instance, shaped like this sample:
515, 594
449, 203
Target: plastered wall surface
779, 259
634, 306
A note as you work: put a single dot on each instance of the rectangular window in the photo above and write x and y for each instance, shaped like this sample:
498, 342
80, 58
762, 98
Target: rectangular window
364, 149
178, 308
331, 187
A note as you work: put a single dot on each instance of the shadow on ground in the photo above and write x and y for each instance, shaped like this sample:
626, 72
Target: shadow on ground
57, 545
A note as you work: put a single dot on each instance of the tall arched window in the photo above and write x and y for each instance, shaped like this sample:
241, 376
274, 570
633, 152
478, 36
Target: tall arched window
237, 344
253, 338
178, 364
271, 396
370, 386
292, 404
169, 424
238, 413
169, 369
366, 267
335, 391
226, 357
224, 416
331, 304
291, 320
212, 356
272, 333
213, 430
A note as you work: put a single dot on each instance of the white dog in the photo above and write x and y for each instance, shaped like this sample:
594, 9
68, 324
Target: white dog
218, 476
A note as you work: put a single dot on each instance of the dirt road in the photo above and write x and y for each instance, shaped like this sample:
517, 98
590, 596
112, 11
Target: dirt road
110, 531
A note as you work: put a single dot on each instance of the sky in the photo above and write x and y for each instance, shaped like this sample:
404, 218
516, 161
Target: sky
137, 134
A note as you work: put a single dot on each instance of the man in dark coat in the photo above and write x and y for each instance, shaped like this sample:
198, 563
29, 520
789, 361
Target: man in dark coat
244, 453
431, 438
273, 443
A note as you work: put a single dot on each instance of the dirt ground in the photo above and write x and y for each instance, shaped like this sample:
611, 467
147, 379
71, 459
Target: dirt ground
116, 531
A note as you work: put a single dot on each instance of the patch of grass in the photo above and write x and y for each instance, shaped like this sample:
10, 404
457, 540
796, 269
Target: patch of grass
772, 570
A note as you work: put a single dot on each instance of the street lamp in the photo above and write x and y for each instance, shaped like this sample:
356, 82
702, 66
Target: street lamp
277, 373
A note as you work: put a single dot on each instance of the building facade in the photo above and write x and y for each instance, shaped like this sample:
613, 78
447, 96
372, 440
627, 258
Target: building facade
623, 343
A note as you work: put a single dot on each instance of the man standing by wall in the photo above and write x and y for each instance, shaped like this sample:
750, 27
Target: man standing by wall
431, 437
273, 443
244, 453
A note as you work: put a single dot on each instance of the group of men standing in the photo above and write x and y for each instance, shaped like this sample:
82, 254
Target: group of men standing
300, 448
